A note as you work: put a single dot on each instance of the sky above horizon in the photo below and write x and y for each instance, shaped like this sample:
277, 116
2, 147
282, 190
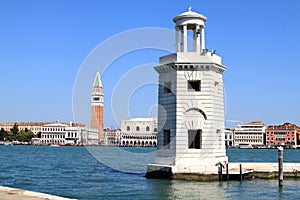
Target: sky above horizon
45, 46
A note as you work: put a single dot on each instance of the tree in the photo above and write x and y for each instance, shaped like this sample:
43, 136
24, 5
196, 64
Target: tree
39, 134
20, 137
15, 129
10, 136
28, 136
3, 134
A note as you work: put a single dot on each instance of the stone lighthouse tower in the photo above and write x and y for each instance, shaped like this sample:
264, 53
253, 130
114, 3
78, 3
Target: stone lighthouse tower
191, 123
97, 101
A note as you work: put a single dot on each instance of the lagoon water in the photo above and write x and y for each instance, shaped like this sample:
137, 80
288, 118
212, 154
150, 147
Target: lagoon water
76, 172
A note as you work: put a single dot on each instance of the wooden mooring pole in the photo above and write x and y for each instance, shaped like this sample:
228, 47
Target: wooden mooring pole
220, 173
241, 172
280, 166
220, 169
227, 172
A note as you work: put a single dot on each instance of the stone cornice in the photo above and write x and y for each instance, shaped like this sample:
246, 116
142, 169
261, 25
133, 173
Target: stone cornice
190, 67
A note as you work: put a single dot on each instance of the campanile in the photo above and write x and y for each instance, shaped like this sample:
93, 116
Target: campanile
97, 101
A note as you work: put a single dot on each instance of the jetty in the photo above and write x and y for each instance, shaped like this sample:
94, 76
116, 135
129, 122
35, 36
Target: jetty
249, 171
7, 193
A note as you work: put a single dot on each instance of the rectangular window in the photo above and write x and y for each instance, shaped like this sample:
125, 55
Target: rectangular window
194, 139
194, 86
167, 136
167, 87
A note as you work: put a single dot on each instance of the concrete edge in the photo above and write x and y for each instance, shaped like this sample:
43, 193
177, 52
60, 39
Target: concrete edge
254, 170
26, 193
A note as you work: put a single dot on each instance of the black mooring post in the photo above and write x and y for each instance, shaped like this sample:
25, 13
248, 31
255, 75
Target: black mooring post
241, 173
220, 173
220, 169
227, 172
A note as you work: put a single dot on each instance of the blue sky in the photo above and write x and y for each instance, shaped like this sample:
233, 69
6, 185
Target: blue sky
43, 45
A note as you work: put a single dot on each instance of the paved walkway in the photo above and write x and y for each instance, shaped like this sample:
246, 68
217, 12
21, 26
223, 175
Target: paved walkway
7, 193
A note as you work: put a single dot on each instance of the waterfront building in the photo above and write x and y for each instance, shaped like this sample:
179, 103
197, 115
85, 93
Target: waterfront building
36, 141
62, 134
35, 127
97, 101
53, 134
112, 137
191, 125
139, 132
252, 134
89, 136
287, 135
229, 138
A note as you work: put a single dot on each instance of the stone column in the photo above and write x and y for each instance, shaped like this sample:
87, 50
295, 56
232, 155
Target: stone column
177, 40
202, 39
184, 38
197, 39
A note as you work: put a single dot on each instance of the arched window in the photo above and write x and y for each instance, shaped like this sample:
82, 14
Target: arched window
137, 128
147, 128
128, 128
155, 129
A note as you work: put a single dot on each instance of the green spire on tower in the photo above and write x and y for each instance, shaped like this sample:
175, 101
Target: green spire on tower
97, 81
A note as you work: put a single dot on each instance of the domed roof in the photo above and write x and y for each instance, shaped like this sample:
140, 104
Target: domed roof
189, 14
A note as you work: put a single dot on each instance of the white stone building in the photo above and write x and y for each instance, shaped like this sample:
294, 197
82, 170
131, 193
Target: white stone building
112, 137
89, 136
62, 134
139, 132
250, 135
191, 125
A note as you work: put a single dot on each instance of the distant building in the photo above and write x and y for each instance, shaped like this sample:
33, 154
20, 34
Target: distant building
112, 137
250, 135
36, 141
229, 138
35, 127
286, 134
139, 132
62, 134
97, 102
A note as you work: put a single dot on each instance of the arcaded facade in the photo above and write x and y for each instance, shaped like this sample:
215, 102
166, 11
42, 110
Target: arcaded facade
139, 132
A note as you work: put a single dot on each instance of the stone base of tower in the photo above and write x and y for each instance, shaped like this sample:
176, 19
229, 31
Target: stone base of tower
205, 170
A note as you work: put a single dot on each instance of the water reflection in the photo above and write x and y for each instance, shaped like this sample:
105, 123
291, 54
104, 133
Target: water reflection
180, 189
255, 189
125, 159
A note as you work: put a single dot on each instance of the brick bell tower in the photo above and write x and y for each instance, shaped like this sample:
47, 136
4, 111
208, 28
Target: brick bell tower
97, 101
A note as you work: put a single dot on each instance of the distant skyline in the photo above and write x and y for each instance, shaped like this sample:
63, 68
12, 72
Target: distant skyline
44, 44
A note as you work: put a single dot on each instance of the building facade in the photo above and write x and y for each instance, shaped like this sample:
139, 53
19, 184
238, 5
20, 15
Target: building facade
112, 137
62, 134
191, 125
35, 127
97, 103
141, 132
287, 135
250, 135
229, 138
